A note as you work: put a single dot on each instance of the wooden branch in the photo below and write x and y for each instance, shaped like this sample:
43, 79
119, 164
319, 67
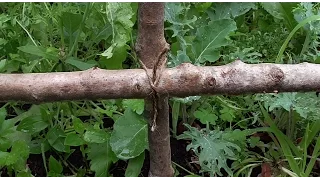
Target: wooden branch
181, 81
152, 49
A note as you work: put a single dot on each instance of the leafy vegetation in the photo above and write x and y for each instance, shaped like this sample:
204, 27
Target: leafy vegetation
249, 135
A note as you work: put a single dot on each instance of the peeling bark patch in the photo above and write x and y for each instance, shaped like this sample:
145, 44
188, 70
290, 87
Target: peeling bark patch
276, 75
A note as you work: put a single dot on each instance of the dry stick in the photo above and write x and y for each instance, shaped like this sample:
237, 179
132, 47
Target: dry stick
156, 74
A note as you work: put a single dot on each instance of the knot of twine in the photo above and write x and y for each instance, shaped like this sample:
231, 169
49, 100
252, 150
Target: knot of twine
154, 79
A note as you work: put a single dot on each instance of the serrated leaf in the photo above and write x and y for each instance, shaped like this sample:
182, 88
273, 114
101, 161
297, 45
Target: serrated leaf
55, 166
136, 105
96, 136
205, 116
73, 139
134, 166
211, 37
32, 124
212, 150
56, 138
129, 136
80, 64
101, 157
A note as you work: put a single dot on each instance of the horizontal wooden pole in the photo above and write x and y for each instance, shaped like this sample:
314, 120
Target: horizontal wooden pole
181, 81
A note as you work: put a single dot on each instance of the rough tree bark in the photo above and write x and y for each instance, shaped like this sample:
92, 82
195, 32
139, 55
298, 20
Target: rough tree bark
151, 48
181, 81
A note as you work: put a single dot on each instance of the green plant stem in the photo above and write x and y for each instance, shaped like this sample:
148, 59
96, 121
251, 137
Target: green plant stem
176, 164
301, 24
44, 158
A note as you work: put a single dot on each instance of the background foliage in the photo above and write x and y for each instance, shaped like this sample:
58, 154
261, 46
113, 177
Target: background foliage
226, 135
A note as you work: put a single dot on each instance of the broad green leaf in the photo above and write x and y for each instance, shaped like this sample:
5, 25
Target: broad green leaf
55, 166
2, 64
78, 125
227, 10
19, 151
3, 158
101, 157
136, 105
134, 166
80, 64
118, 57
32, 124
73, 139
129, 137
50, 53
96, 136
211, 37
205, 116
56, 138
71, 22
281, 10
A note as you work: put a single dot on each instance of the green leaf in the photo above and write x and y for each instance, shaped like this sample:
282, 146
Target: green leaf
205, 116
229, 10
71, 22
80, 64
96, 136
56, 138
78, 125
136, 105
212, 150
101, 157
35, 146
175, 116
227, 114
129, 135
73, 139
118, 57
119, 16
281, 10
2, 64
32, 124
50, 53
55, 166
19, 151
211, 37
134, 166
3, 114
